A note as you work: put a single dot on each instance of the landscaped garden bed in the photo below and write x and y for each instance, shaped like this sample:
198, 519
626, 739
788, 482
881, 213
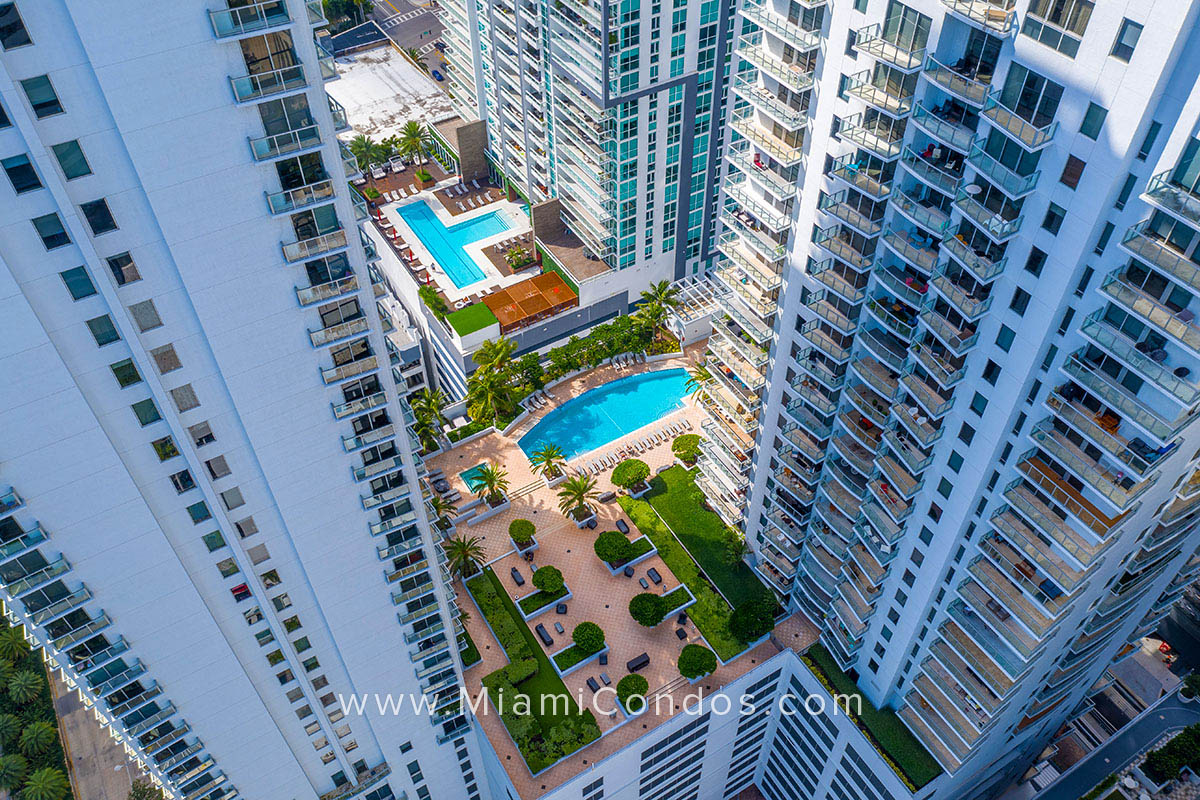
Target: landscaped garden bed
587, 643
469, 652
547, 729
617, 552
531, 604
29, 736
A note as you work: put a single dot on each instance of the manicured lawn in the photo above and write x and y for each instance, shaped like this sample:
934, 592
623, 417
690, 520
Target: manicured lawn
680, 502
551, 706
674, 600
570, 657
908, 756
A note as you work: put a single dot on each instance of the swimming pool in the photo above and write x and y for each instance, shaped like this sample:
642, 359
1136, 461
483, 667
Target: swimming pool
470, 477
608, 412
445, 245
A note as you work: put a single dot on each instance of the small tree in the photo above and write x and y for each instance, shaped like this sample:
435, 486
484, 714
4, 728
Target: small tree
696, 660
647, 609
46, 784
631, 691
751, 620
548, 461
144, 790
575, 494
464, 555
434, 302
12, 771
612, 547
631, 474
549, 580
735, 548
588, 637
24, 687
37, 738
521, 531
686, 447
491, 482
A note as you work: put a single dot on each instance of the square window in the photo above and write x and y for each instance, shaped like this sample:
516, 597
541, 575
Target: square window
281, 602
125, 372
253, 616
165, 448
145, 315
978, 404
246, 527
201, 434
1054, 218
1072, 172
1127, 39
302, 644
42, 99
183, 481
275, 657
232, 498
185, 398
217, 467
71, 160
51, 229
165, 359
79, 284
123, 269
146, 412
991, 372
270, 579
228, 567
98, 216
945, 488
1093, 121
966, 434
1020, 301
285, 677
241, 592
213, 541
103, 330
21, 173
199, 512
258, 554
1036, 261
12, 29
1004, 338
310, 664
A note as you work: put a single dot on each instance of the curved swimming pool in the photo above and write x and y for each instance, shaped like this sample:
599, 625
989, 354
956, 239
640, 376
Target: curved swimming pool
608, 412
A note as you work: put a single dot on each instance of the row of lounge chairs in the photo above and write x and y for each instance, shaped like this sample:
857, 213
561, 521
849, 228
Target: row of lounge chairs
539, 399
662, 436
397, 195
627, 360
483, 201
515, 241
459, 189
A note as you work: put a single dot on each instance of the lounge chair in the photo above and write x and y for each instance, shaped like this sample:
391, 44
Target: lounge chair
470, 204
687, 424
654, 577
377, 172
412, 187
461, 207
475, 183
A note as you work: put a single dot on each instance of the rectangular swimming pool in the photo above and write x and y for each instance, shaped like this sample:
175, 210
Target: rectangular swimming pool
445, 245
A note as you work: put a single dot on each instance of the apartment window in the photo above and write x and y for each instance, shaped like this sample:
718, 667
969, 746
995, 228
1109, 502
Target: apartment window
42, 99
183, 481
1058, 23
217, 467
12, 29
185, 398
213, 541
165, 359
51, 229
1105, 235
1051, 352
991, 372
1035, 262
79, 283
232, 498
145, 315
246, 527
5, 122
103, 330
979, 404
1033, 392
1126, 190
123, 269
285, 677
860, 6
125, 372
945, 488
310, 664
1084, 280
99, 217
966, 434
71, 160
281, 602
1067, 316
1004, 338
1148, 142
201, 434
259, 554
954, 462
1072, 172
21, 174
1020, 423
146, 412
1127, 39
1020, 301
199, 512
1093, 121
165, 448
1055, 214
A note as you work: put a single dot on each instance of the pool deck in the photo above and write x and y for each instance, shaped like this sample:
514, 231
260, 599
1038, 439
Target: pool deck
597, 596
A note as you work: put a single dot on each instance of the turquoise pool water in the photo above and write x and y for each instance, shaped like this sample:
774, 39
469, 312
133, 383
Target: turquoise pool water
608, 412
446, 244
471, 477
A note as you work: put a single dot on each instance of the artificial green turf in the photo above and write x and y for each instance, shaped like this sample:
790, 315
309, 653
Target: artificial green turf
889, 734
473, 318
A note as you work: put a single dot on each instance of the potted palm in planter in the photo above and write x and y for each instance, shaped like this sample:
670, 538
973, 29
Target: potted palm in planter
632, 475
549, 462
463, 556
575, 497
491, 485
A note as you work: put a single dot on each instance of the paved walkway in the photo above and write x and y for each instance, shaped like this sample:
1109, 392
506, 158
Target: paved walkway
1167, 715
99, 767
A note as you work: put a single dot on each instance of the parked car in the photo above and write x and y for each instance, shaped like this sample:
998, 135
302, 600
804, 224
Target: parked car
437, 76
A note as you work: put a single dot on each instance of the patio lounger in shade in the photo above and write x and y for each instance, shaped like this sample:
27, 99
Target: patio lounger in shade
640, 662
607, 681
540, 630
642, 581
593, 685
628, 572
558, 628
517, 577
652, 573
623, 526
680, 634
603, 659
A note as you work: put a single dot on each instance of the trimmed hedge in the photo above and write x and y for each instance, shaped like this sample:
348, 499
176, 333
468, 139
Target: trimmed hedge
1164, 764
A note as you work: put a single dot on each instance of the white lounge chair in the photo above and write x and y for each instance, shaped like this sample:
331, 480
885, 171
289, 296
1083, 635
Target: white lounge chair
475, 183
470, 203
377, 171
461, 207
687, 424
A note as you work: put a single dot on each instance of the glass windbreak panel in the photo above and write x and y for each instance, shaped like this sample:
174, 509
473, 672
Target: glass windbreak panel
905, 27
268, 53
300, 171
288, 114
1187, 171
1010, 154
1031, 96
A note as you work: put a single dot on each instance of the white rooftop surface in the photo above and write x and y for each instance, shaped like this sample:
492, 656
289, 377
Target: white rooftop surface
381, 90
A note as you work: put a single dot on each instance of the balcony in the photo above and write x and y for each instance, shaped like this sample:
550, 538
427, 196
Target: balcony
999, 17
815, 395
901, 482
731, 408
933, 732
914, 458
913, 248
895, 101
964, 720
1008, 593
247, 19
301, 197
267, 148
815, 333
1000, 225
775, 219
972, 304
786, 153
947, 667
753, 49
766, 247
980, 624
1142, 241
877, 136
963, 87
958, 338
879, 345
767, 276
853, 453
747, 375
893, 315
906, 284
867, 403
1178, 324
749, 351
866, 180
808, 361
1014, 185
349, 161
923, 213
823, 307
874, 42
803, 441
825, 273
765, 16
940, 366
978, 262
881, 524
982, 668
1148, 365
314, 246
349, 370
925, 430
942, 128
1114, 485
769, 103
878, 376
837, 206
889, 501
844, 245
933, 401
759, 172
1032, 136
1173, 199
1066, 496
942, 174
338, 332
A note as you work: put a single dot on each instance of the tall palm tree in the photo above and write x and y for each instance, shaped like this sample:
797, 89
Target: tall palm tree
13, 644
364, 149
491, 482
37, 738
24, 687
496, 355
463, 556
12, 771
698, 375
735, 549
489, 395
652, 314
662, 293
417, 57
46, 784
413, 139
10, 729
429, 402
575, 494
442, 509
548, 461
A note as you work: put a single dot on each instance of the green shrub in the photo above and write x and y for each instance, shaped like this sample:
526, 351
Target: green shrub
434, 302
519, 671
521, 531
647, 609
37, 738
632, 687
696, 660
548, 579
1164, 764
752, 620
687, 448
1101, 787
1191, 685
630, 473
612, 547
588, 637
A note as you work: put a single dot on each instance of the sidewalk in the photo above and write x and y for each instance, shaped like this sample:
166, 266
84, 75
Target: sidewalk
98, 765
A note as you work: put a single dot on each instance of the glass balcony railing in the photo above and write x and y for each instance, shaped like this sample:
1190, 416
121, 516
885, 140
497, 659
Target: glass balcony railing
766, 276
827, 274
996, 225
314, 246
932, 174
916, 250
893, 100
1176, 324
340, 121
1183, 391
842, 245
247, 19
290, 200
866, 180
1032, 136
250, 88
774, 218
983, 268
1112, 484
883, 140
282, 144
795, 76
349, 370
956, 136
940, 368
1000, 17
1176, 200
910, 288
1014, 185
334, 333
930, 217
1116, 395
963, 87
769, 103
968, 303
1148, 246
821, 340
904, 56
779, 26
326, 62
837, 205
785, 153
929, 398
960, 340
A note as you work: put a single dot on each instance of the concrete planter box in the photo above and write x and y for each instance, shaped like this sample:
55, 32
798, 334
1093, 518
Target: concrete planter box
565, 672
636, 493
489, 511
662, 357
488, 430
528, 548
1145, 780
516, 421
582, 523
552, 482
631, 714
548, 607
653, 551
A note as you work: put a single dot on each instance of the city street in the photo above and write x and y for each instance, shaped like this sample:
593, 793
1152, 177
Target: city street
410, 24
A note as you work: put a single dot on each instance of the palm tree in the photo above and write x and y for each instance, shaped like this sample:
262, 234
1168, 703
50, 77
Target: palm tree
12, 771
496, 356
489, 395
548, 461
442, 509
417, 57
413, 140
144, 790
46, 784
463, 555
662, 293
364, 149
735, 549
651, 314
24, 687
37, 738
428, 403
698, 375
13, 644
10, 729
491, 482
574, 495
